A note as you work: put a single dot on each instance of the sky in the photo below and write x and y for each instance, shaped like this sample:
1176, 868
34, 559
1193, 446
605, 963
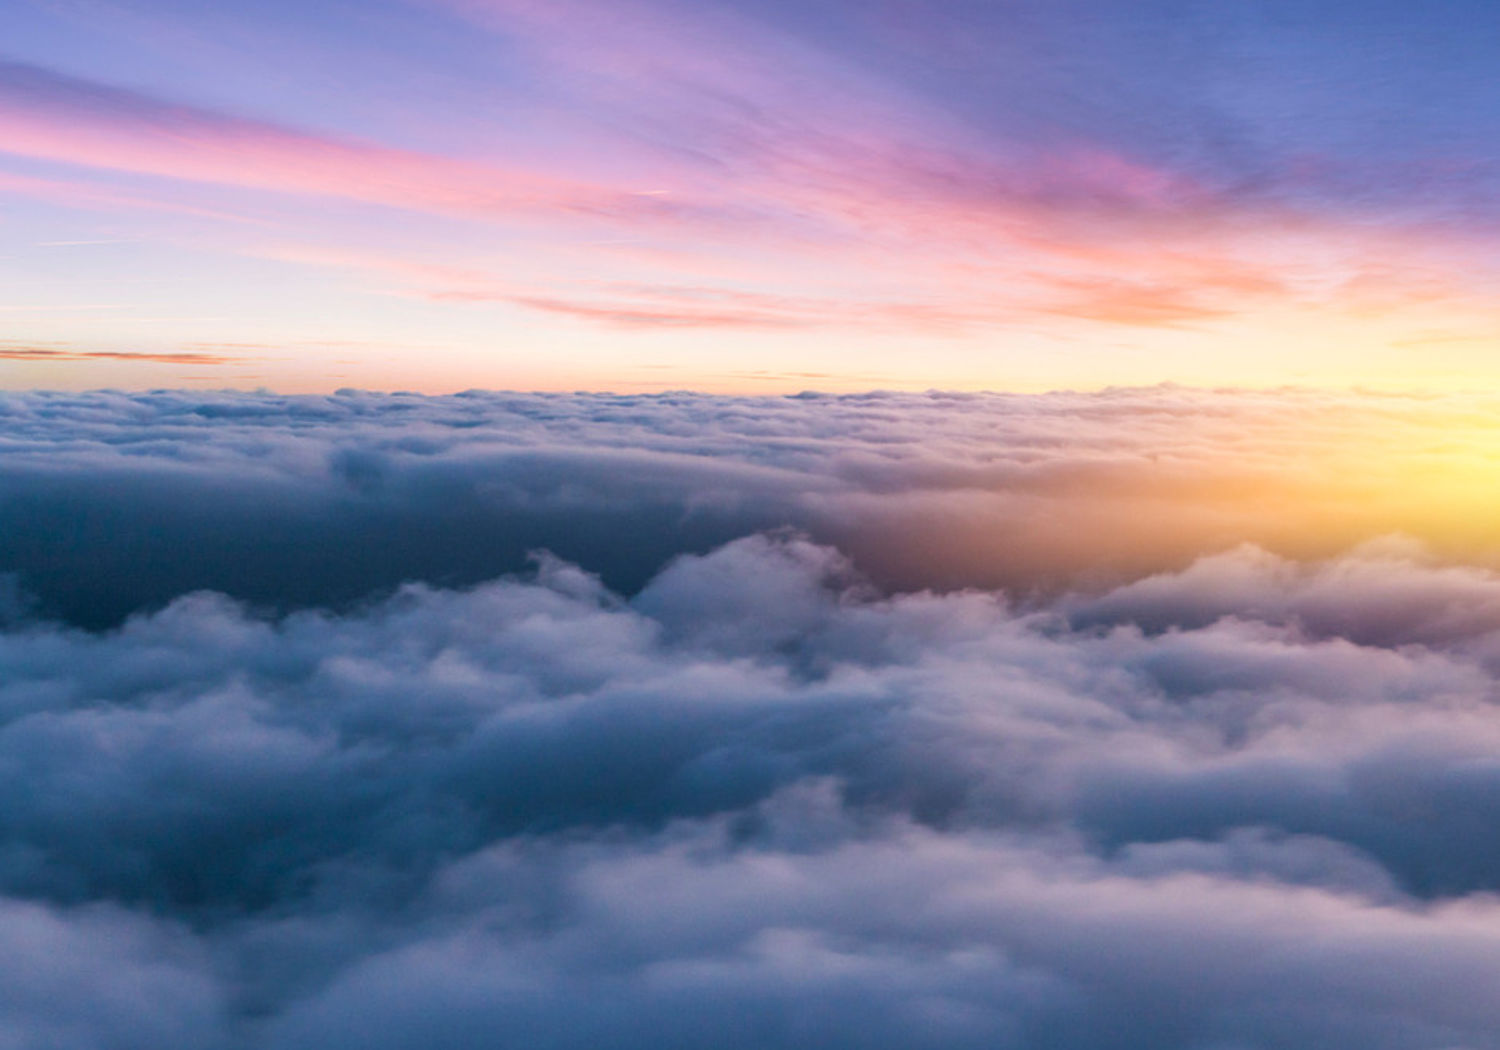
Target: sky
747, 197
681, 524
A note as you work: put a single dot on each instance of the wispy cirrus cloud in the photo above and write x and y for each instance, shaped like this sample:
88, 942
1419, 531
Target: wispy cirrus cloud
653, 168
50, 115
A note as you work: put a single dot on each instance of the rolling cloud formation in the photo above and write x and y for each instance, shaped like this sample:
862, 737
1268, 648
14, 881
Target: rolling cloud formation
112, 503
763, 794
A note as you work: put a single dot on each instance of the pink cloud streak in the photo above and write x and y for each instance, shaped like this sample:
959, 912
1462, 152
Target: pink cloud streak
46, 115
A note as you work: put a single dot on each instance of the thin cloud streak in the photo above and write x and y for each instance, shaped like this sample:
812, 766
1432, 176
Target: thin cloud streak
21, 352
45, 114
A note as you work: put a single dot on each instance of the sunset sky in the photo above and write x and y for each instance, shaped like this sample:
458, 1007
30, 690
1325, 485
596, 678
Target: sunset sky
749, 525
752, 197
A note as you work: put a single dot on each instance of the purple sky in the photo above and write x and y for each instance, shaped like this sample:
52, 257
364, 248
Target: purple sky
439, 194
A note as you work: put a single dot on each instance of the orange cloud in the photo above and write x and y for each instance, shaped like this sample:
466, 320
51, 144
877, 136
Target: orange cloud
52, 352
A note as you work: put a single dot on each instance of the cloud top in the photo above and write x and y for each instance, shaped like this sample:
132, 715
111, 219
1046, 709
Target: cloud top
111, 502
809, 775
760, 804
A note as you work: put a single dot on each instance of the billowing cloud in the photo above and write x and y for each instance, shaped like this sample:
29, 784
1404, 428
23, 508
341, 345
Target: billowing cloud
114, 502
759, 804
767, 795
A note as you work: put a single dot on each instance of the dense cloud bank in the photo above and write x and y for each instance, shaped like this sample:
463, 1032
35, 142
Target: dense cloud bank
112, 503
762, 804
306, 742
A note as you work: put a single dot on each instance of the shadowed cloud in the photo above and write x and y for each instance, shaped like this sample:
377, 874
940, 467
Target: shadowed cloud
756, 805
113, 502
725, 783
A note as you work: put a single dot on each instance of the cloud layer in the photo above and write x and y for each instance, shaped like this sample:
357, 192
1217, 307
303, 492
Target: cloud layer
112, 503
767, 794
761, 805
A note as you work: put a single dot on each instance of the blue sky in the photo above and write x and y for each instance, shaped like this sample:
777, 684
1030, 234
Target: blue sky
756, 196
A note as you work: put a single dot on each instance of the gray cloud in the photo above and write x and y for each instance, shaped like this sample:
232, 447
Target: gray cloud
111, 503
765, 803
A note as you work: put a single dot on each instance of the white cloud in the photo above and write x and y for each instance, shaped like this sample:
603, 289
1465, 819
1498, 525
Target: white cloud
763, 805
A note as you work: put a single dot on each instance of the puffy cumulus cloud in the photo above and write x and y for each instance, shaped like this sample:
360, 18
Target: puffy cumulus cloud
111, 503
1369, 596
98, 976
763, 803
